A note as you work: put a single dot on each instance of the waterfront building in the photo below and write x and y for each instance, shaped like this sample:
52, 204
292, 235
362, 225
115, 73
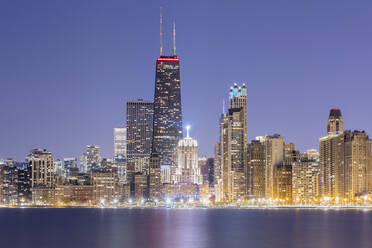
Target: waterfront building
282, 188
104, 191
274, 157
23, 181
183, 192
188, 169
80, 195
305, 180
204, 193
232, 151
120, 141
357, 152
41, 164
343, 160
332, 157
167, 128
8, 184
139, 121
140, 186
255, 170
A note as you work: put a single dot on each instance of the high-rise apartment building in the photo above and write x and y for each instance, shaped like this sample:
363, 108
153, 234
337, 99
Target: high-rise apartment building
120, 141
305, 180
255, 169
357, 152
41, 164
343, 160
232, 156
139, 133
332, 157
274, 148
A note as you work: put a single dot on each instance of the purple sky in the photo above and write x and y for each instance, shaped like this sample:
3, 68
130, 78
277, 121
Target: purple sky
67, 67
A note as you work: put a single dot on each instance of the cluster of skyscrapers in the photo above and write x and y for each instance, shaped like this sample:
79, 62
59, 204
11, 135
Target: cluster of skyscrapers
268, 170
154, 163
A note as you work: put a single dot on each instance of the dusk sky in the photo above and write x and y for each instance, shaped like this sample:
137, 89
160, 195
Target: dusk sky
68, 67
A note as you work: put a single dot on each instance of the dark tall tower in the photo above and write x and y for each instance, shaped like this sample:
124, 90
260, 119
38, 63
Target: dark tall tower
167, 129
139, 132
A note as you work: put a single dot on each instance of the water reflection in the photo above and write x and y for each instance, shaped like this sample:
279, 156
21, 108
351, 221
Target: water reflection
181, 228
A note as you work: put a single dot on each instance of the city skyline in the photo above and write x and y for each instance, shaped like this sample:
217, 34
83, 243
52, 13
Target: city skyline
66, 131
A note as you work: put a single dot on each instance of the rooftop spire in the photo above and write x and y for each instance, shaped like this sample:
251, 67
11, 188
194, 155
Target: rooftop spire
161, 34
174, 38
187, 130
223, 105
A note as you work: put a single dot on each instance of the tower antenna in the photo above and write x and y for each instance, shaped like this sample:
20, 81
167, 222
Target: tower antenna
161, 33
174, 38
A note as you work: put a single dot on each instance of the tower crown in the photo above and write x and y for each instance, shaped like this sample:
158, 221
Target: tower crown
335, 122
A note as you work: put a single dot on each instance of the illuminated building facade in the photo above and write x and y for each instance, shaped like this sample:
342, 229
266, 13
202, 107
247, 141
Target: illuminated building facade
274, 157
305, 180
232, 151
187, 154
41, 164
139, 133
167, 128
255, 170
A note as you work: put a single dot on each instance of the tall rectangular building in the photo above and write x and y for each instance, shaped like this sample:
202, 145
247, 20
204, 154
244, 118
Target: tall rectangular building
232, 156
274, 157
41, 164
357, 152
139, 133
167, 128
255, 170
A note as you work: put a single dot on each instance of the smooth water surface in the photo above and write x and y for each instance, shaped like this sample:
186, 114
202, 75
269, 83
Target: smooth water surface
178, 228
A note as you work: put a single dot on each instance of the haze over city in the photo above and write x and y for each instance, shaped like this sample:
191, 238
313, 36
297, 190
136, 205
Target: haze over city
68, 68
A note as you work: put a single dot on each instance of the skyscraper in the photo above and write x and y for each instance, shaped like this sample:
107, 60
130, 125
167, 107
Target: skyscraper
167, 128
343, 160
274, 158
331, 156
232, 155
139, 133
255, 171
188, 169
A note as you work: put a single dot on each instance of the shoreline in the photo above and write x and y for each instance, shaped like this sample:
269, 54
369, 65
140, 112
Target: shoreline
200, 208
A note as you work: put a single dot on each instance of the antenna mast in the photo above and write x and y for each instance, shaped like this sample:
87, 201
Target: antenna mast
161, 33
174, 38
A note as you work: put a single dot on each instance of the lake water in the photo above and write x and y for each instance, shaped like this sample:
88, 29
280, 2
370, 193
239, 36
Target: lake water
178, 228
